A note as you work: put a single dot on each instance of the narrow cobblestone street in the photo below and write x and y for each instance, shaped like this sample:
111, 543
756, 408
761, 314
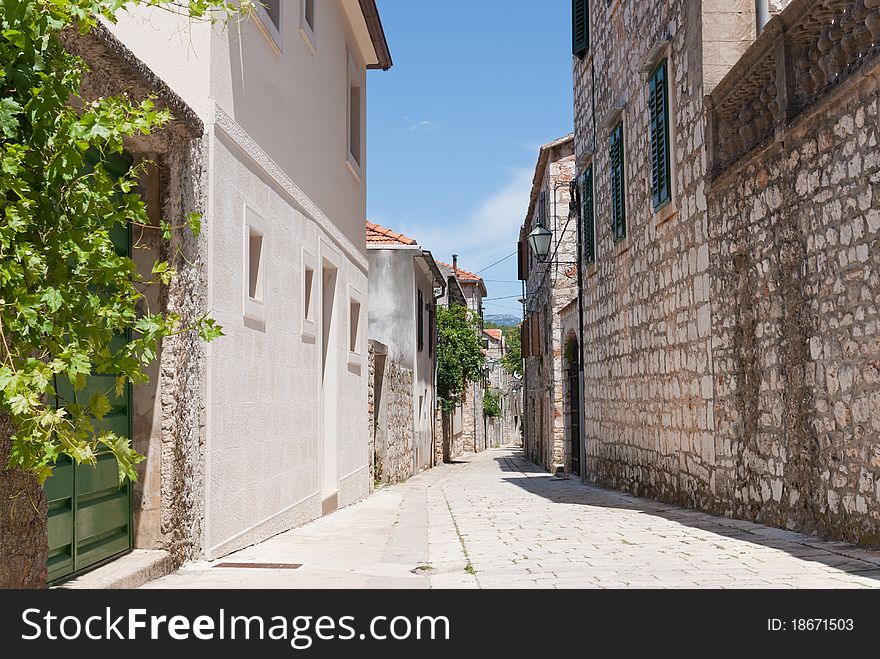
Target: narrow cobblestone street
495, 521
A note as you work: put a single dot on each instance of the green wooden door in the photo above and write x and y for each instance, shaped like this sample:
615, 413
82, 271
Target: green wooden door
89, 513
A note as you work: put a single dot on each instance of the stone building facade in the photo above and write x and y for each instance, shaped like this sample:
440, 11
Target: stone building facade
473, 436
730, 333
449, 427
549, 287
794, 251
392, 417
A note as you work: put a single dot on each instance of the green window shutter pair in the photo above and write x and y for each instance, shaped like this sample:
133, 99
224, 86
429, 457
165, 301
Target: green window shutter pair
618, 185
580, 26
658, 106
589, 225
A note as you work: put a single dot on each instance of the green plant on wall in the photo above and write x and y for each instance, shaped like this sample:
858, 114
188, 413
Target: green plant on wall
492, 404
460, 357
65, 293
512, 360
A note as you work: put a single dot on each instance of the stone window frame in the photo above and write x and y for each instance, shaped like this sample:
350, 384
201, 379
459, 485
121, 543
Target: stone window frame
307, 30
661, 50
309, 323
273, 34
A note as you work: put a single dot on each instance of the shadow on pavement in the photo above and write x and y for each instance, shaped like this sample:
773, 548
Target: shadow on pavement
839, 555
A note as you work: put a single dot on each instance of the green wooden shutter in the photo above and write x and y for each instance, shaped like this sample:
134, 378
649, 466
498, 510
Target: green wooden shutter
589, 230
618, 185
580, 26
658, 105
420, 320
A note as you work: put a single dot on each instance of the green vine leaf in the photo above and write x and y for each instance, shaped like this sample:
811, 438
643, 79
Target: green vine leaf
67, 296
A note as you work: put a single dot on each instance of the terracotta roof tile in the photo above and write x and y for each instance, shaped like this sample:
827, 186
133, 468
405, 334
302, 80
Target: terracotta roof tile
379, 235
463, 275
496, 334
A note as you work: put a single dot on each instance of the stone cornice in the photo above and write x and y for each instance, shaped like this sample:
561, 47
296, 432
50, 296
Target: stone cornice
803, 55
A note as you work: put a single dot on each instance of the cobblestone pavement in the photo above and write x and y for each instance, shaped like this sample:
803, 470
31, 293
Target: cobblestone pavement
496, 521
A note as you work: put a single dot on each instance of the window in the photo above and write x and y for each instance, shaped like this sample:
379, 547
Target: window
354, 127
255, 268
431, 332
587, 215
354, 118
354, 324
309, 14
580, 27
255, 265
542, 209
618, 184
269, 19
307, 23
658, 106
308, 281
420, 321
273, 11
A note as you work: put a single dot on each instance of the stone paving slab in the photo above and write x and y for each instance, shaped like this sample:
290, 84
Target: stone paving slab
496, 521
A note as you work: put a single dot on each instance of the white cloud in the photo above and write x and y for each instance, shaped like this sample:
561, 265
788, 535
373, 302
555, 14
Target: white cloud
489, 233
424, 126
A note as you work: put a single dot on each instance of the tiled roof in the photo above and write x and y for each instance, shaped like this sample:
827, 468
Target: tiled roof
463, 275
496, 334
379, 235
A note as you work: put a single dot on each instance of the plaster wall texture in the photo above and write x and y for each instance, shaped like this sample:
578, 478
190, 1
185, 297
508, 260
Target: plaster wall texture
259, 456
396, 277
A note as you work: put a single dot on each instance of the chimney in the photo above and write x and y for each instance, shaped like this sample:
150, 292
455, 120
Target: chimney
455, 264
762, 10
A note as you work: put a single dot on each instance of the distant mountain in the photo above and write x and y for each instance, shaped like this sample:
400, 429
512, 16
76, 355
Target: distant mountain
504, 320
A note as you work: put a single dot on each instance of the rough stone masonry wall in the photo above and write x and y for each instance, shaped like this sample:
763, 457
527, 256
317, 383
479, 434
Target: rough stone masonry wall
394, 438
549, 288
648, 386
795, 257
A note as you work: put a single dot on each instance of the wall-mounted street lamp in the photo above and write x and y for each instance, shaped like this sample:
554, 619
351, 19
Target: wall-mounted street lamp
540, 240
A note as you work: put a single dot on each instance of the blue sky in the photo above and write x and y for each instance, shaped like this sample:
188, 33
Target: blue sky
455, 127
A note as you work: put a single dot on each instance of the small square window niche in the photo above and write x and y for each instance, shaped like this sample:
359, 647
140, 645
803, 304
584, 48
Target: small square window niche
308, 282
255, 265
273, 11
354, 132
309, 14
354, 326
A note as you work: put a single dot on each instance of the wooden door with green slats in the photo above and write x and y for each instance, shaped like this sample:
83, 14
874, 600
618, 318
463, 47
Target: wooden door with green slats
89, 513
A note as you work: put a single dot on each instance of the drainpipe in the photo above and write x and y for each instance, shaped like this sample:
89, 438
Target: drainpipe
762, 13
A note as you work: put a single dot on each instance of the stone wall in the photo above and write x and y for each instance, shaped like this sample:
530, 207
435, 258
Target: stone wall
549, 288
732, 358
647, 380
391, 419
795, 262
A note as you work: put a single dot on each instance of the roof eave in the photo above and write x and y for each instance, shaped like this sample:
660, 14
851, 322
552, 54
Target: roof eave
377, 35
